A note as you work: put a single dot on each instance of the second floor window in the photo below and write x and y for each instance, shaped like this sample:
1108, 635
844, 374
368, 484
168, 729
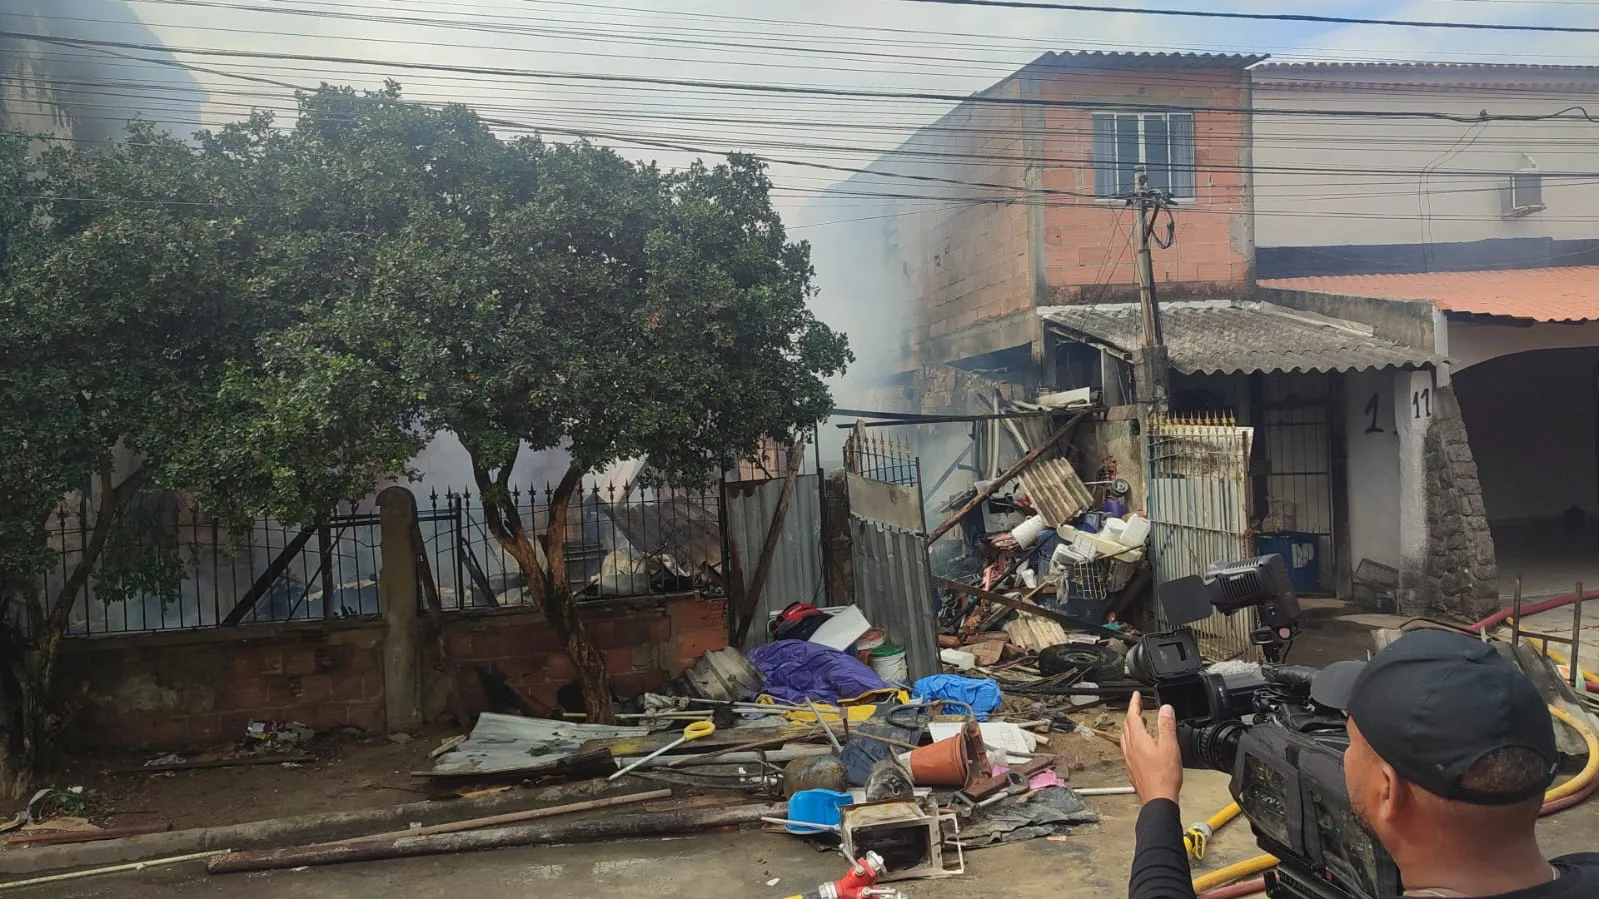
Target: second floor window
1161, 142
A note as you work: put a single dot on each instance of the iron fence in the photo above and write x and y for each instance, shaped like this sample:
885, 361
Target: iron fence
881, 458
168, 565
620, 540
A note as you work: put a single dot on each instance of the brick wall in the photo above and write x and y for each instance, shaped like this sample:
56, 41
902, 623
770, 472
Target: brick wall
199, 688
1088, 257
994, 227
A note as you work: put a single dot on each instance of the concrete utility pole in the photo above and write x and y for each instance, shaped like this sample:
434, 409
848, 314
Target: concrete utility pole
1150, 371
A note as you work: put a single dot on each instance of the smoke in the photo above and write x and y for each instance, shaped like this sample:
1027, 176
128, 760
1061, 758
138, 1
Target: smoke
51, 85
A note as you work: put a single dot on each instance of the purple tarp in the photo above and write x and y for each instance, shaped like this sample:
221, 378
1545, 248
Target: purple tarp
797, 670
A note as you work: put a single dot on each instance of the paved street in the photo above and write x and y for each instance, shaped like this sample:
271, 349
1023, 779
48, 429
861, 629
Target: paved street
729, 866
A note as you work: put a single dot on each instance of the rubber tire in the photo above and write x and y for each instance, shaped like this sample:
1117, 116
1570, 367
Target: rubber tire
1100, 663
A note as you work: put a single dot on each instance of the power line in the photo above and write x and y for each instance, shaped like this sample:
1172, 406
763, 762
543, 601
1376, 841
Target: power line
790, 89
1264, 17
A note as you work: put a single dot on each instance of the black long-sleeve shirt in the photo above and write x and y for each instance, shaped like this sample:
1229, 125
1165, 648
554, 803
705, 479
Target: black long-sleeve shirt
1160, 861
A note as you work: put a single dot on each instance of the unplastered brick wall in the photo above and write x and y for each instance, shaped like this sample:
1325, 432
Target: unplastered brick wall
200, 688
1087, 257
647, 642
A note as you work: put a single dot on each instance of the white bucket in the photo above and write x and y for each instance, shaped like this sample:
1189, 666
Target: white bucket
1026, 533
889, 662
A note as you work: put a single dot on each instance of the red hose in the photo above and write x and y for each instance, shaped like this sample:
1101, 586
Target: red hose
1502, 615
1499, 617
1235, 890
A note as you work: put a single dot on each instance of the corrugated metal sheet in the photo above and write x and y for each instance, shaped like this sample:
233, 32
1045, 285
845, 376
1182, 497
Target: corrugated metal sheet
681, 526
1055, 490
796, 572
1228, 336
894, 589
1111, 59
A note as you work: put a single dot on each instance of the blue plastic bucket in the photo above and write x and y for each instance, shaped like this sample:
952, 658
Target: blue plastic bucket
816, 807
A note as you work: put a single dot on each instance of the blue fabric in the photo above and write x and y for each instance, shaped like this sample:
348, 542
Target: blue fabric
797, 670
982, 695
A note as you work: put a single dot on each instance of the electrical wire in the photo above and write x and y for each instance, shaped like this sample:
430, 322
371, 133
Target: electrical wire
1263, 17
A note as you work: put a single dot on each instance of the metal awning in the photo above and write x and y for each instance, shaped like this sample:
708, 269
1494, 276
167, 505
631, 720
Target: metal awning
1236, 336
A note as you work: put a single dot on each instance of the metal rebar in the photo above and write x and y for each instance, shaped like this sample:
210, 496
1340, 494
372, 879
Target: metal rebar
1515, 615
1577, 681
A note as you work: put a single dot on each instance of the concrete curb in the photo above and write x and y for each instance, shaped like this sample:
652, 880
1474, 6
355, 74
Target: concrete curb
298, 830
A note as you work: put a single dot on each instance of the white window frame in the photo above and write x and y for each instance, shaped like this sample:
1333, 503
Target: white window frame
1143, 150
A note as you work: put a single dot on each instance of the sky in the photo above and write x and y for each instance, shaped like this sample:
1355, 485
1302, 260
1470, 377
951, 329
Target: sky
874, 44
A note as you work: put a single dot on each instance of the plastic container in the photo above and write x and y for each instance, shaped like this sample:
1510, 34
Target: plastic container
1115, 508
816, 807
868, 642
1137, 532
1299, 552
889, 662
1026, 533
1114, 529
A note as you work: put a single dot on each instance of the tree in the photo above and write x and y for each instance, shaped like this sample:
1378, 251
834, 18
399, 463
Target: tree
518, 294
125, 297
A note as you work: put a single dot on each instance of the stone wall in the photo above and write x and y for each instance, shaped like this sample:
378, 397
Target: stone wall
194, 689
1462, 578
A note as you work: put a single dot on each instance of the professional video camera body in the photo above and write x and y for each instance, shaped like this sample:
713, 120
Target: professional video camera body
1287, 763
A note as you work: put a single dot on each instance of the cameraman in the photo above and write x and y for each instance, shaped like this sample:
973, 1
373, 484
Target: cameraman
1451, 750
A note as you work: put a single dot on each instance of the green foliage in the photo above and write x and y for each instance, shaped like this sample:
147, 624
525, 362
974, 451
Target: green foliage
279, 319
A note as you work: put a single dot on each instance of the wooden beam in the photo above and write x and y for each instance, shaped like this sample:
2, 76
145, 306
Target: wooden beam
1010, 475
1029, 609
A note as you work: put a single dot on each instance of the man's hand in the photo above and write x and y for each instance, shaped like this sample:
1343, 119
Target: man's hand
1155, 766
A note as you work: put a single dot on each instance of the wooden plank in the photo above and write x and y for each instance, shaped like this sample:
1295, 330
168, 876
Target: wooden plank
1009, 475
1029, 609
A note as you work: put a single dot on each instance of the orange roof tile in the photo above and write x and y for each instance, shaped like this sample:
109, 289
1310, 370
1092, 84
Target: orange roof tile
1565, 294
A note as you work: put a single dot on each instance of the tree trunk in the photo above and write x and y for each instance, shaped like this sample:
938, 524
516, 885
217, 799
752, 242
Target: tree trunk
35, 699
546, 580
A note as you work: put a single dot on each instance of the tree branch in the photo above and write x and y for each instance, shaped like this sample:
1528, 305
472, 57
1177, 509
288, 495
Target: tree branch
113, 499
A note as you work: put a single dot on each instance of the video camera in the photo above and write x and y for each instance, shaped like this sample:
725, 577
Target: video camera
1287, 762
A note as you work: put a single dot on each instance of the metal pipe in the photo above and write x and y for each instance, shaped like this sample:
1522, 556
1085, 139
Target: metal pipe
1577, 681
1515, 615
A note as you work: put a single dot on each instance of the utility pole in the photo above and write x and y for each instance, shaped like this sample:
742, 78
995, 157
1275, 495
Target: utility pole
1150, 371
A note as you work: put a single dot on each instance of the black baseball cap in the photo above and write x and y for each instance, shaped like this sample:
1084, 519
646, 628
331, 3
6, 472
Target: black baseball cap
1434, 703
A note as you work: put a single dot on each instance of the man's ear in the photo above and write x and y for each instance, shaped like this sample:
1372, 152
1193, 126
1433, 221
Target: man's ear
1394, 799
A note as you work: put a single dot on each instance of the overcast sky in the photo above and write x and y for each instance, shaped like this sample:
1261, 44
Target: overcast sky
887, 44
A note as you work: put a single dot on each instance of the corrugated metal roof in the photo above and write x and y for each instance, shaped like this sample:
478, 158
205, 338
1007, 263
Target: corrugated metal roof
796, 571
1105, 59
1272, 68
1226, 336
1564, 294
894, 590
1055, 490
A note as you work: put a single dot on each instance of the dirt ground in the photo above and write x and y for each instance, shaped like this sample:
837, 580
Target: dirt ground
350, 773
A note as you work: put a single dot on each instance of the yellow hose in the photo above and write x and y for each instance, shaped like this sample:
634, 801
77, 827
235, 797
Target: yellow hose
1198, 836
1234, 872
1261, 863
1589, 770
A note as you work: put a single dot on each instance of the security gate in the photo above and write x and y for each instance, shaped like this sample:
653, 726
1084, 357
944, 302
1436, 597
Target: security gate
1199, 512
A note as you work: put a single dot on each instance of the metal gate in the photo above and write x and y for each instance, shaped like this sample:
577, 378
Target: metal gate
1199, 512
1296, 428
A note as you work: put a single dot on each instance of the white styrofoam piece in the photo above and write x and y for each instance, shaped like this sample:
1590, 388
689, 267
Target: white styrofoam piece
965, 661
842, 629
1002, 737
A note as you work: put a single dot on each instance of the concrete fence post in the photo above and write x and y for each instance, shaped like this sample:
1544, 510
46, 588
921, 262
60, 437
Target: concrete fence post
397, 594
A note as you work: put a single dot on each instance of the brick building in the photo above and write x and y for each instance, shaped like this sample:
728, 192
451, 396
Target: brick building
1010, 202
